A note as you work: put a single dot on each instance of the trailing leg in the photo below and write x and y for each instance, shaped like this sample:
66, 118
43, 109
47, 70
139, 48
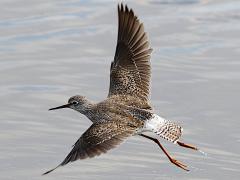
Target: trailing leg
187, 145
172, 160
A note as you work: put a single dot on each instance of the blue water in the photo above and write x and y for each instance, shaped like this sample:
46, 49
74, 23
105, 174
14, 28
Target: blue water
51, 50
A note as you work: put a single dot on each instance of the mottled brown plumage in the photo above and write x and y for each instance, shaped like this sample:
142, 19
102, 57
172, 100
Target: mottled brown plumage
126, 111
130, 70
99, 138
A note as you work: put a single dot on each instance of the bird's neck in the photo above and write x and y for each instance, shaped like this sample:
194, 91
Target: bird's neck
87, 109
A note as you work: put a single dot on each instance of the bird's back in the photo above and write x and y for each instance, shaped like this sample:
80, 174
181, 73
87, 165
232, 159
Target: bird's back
115, 107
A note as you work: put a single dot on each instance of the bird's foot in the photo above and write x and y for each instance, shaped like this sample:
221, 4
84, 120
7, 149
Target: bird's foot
187, 145
179, 164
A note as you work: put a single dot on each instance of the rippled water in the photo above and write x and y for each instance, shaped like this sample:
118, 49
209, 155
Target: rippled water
51, 50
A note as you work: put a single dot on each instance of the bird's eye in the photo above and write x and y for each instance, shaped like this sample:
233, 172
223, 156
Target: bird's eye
75, 103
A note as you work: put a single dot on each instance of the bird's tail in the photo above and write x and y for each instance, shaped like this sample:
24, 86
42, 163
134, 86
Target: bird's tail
164, 128
170, 131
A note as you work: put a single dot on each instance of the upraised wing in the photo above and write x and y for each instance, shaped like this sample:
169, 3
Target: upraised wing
130, 71
99, 138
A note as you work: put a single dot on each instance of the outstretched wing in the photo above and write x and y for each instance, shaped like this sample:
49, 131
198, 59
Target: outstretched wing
130, 71
99, 138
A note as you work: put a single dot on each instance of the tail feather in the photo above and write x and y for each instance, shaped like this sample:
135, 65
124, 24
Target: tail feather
164, 128
169, 131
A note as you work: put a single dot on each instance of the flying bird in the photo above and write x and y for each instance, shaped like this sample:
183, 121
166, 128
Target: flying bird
126, 111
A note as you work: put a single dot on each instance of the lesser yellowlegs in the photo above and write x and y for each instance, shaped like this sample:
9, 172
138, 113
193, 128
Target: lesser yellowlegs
126, 111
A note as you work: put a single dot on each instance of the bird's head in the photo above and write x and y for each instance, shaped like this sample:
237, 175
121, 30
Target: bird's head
78, 103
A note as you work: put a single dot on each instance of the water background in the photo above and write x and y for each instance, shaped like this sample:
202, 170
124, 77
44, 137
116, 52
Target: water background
51, 50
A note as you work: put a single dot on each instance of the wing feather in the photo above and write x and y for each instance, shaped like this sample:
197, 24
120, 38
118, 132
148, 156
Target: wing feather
99, 138
130, 71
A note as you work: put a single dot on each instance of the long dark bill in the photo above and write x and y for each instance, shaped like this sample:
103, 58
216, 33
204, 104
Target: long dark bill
60, 107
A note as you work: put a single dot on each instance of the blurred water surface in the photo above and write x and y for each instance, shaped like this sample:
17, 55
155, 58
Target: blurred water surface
51, 50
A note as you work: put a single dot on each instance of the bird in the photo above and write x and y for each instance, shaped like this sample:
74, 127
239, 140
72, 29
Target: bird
126, 111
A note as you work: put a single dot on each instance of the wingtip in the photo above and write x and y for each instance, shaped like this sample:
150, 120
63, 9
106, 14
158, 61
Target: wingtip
118, 7
126, 8
50, 171
47, 172
123, 7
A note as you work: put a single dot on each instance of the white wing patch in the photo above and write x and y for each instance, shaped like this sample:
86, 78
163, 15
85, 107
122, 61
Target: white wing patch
164, 128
